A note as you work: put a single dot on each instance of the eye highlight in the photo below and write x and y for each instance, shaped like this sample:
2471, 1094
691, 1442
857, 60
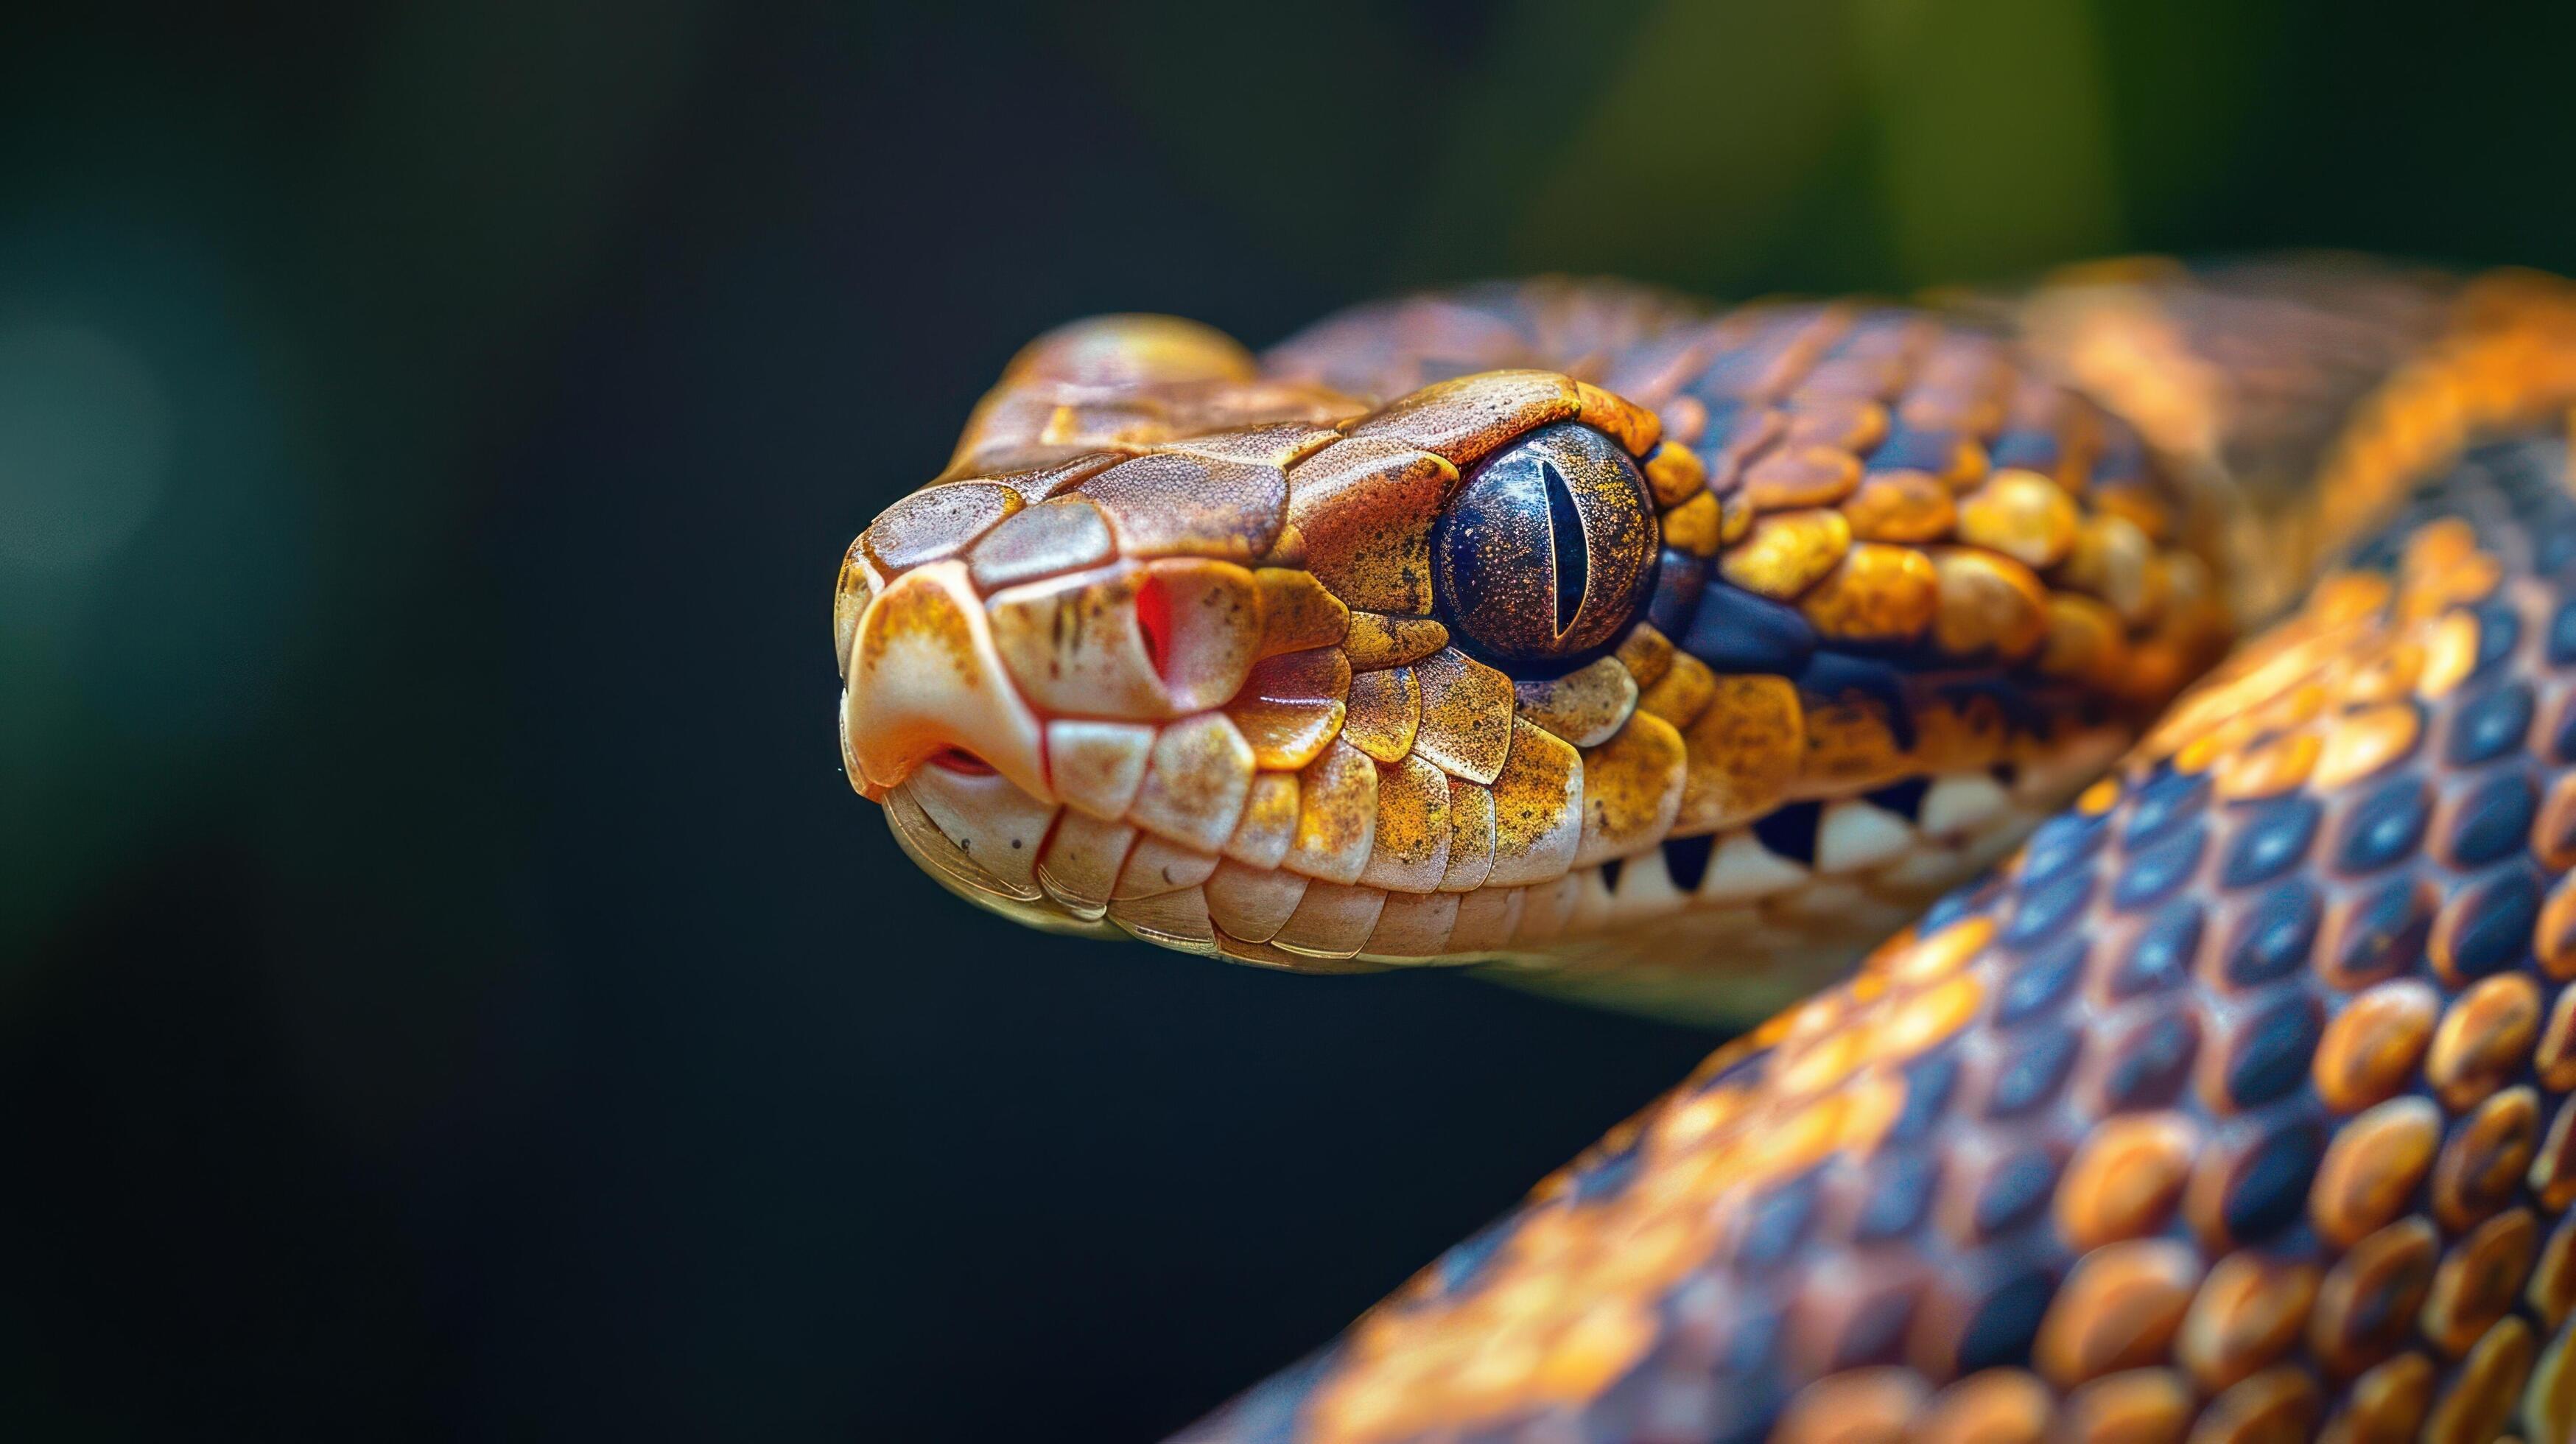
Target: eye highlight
1548, 547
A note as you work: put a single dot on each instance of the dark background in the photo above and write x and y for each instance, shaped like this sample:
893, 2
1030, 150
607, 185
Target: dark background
446, 987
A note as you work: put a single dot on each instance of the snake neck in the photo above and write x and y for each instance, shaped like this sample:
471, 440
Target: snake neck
2299, 400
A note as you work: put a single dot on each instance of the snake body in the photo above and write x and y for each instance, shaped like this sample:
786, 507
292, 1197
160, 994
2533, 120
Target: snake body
1674, 659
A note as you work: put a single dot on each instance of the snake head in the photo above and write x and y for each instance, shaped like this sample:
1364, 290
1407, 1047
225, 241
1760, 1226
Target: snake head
1315, 666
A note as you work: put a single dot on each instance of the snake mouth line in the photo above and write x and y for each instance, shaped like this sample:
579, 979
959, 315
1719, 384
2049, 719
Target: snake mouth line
1831, 863
1786, 896
1175, 828
1789, 888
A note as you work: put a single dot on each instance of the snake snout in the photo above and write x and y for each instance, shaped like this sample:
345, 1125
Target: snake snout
925, 683
1047, 719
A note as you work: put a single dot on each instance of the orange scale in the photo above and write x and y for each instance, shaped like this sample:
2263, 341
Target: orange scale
2269, 770
1876, 1100
1943, 953
1795, 1144
1926, 1019
2365, 740
2450, 654
1822, 1064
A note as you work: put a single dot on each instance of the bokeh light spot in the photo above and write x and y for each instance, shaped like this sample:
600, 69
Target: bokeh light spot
84, 446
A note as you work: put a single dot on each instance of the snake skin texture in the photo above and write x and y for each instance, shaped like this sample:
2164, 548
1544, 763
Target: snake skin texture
2238, 1104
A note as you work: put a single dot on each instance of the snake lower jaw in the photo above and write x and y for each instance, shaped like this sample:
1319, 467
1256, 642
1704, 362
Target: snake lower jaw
953, 864
1713, 929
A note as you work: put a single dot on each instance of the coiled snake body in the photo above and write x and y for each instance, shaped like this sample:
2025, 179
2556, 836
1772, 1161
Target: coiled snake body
1673, 660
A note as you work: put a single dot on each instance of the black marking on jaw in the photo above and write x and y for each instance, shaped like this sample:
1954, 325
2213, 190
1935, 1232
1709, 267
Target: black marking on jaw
1790, 831
1734, 631
1610, 873
1674, 600
1836, 675
1905, 799
1686, 859
1565, 537
2019, 705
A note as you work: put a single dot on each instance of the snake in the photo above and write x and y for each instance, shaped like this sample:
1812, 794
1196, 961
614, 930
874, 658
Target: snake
2105, 748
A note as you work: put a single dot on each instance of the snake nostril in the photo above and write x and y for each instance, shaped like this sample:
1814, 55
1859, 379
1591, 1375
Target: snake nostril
1154, 623
961, 762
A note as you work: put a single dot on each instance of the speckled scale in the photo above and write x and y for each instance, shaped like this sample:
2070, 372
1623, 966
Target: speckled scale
2273, 937
2154, 872
2384, 827
2267, 1054
2149, 1059
2168, 801
2493, 723
2230, 994
2486, 925
2561, 638
2562, 732
2271, 839
2159, 956
2491, 820
2042, 981
2381, 932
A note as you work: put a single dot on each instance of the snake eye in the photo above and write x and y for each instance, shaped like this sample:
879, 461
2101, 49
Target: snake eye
1548, 547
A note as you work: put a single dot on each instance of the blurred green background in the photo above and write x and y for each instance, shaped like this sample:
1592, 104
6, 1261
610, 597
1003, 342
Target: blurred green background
446, 988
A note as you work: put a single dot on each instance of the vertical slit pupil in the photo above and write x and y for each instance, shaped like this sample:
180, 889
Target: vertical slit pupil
1565, 534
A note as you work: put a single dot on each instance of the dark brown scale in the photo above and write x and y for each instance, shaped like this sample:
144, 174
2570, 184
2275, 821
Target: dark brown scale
2239, 1101
2367, 1305
2551, 1293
